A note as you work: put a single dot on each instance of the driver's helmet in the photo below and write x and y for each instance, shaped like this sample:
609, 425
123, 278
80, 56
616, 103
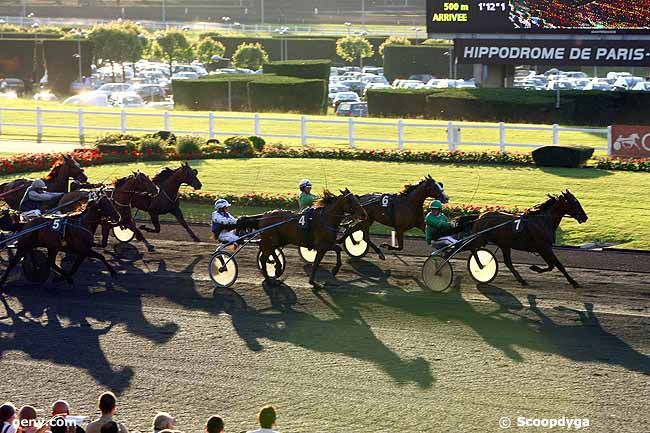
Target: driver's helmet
436, 204
39, 184
222, 203
304, 183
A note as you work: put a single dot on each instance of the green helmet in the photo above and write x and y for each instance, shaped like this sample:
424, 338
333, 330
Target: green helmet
436, 204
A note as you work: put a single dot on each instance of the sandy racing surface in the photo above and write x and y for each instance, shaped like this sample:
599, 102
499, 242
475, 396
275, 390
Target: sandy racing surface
375, 351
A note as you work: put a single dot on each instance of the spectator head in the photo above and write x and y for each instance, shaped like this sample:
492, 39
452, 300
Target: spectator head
214, 425
7, 412
60, 407
107, 403
163, 421
109, 427
27, 413
267, 417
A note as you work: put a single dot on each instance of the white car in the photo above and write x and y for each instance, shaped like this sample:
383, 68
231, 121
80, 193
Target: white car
91, 99
110, 88
333, 90
370, 86
627, 83
185, 76
345, 97
127, 100
598, 85
559, 85
643, 86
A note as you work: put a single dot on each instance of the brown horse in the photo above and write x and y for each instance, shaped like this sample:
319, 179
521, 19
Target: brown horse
62, 170
123, 192
77, 237
532, 231
169, 181
402, 211
319, 234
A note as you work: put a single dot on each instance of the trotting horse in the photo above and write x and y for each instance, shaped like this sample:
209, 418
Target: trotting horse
402, 211
123, 192
72, 233
532, 231
169, 181
319, 234
62, 170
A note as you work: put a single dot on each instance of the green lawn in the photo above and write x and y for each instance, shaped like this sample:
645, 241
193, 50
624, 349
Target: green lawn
616, 202
386, 135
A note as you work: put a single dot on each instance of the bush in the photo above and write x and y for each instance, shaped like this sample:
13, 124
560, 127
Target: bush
207, 48
150, 145
258, 142
189, 145
286, 94
211, 93
394, 40
307, 69
118, 141
251, 56
562, 156
240, 146
397, 102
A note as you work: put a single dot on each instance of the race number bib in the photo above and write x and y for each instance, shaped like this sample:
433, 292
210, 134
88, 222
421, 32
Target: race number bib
385, 201
56, 224
302, 222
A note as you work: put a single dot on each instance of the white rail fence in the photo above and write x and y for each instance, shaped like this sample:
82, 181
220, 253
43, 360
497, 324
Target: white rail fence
78, 123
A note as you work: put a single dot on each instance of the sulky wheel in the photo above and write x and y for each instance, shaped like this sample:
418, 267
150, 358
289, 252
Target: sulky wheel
270, 263
36, 267
123, 234
487, 272
437, 273
355, 244
308, 255
223, 269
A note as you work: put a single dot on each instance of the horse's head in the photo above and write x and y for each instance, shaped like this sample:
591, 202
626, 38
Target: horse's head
352, 206
435, 189
572, 207
190, 176
142, 183
73, 170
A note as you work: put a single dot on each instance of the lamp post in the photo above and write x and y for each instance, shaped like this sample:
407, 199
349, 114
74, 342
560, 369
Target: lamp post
226, 20
2, 23
348, 25
164, 13
262, 11
450, 53
217, 58
416, 30
35, 27
78, 34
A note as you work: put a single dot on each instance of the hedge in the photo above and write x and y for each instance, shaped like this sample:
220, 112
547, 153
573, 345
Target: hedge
307, 69
513, 105
62, 67
562, 156
252, 92
297, 48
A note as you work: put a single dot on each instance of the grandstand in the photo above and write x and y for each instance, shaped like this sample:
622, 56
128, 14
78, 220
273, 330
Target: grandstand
290, 11
567, 14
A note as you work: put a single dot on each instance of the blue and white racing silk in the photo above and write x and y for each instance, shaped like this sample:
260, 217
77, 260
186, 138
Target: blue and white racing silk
220, 219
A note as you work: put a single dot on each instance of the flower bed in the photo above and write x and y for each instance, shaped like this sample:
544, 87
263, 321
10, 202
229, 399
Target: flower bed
642, 164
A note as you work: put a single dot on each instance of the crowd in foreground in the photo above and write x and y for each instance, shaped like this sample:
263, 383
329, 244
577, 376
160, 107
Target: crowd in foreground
25, 420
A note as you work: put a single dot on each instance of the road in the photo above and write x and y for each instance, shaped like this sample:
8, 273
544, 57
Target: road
374, 351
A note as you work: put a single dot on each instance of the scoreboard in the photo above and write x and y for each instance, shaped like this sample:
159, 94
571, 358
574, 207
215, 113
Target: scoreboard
538, 17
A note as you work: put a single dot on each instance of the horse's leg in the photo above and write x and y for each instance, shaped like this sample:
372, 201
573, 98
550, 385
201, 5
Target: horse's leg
178, 213
312, 278
399, 235
549, 256
155, 220
507, 259
337, 250
51, 261
95, 255
13, 261
106, 228
138, 235
278, 265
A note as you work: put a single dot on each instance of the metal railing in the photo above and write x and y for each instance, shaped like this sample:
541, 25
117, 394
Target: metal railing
81, 123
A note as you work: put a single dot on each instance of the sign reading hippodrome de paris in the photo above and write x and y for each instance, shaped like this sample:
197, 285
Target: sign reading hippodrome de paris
631, 141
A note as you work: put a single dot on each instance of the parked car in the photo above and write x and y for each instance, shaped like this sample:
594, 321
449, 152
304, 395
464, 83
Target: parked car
12, 85
91, 99
352, 109
598, 85
373, 70
353, 85
424, 78
643, 86
333, 90
185, 76
345, 97
371, 86
150, 92
559, 85
127, 100
109, 88
626, 82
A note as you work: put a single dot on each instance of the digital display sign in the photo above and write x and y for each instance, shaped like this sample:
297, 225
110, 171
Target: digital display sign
539, 17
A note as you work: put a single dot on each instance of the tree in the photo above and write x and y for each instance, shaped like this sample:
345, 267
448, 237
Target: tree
251, 56
172, 46
114, 43
351, 48
393, 40
208, 48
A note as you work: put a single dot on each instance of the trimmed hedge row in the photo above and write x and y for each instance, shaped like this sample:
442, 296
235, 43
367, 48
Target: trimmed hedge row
512, 105
252, 92
306, 69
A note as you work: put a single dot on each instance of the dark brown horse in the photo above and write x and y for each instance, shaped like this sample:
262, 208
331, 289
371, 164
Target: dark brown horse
61, 172
169, 181
319, 234
77, 237
402, 211
123, 192
532, 231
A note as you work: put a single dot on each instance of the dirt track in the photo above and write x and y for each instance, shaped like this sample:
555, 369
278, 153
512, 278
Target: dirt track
375, 351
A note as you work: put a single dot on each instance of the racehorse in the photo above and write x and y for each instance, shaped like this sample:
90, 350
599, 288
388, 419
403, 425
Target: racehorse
169, 181
72, 233
123, 192
533, 231
402, 211
56, 180
319, 234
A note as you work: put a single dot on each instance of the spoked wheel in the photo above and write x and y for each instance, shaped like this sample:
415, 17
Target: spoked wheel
270, 263
487, 272
308, 255
36, 268
437, 273
223, 269
123, 234
355, 245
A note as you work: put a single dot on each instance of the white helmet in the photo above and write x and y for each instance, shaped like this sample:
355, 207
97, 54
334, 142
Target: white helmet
221, 203
39, 184
303, 183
